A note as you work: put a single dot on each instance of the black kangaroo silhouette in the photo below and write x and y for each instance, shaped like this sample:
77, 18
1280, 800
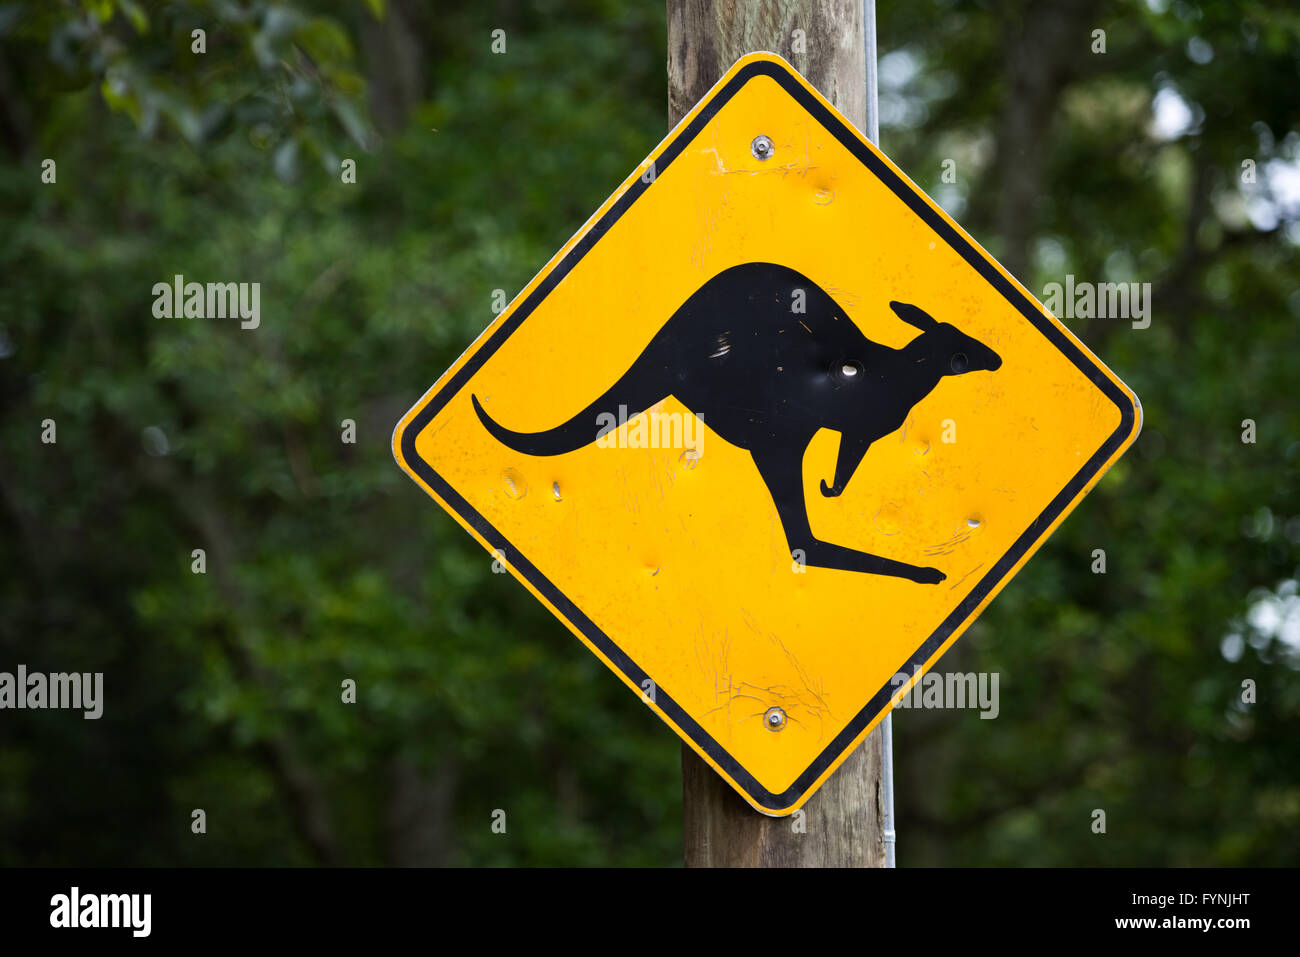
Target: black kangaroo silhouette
767, 378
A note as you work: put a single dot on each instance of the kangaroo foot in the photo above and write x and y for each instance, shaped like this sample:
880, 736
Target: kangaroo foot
826, 555
927, 576
783, 474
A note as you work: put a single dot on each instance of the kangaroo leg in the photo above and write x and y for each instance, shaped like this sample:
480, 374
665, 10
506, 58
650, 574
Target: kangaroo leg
782, 471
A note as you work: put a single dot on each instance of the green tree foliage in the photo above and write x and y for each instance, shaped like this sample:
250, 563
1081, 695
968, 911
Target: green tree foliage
224, 690
1119, 690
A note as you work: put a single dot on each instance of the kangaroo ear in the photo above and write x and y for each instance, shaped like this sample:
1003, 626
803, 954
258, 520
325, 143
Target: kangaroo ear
913, 316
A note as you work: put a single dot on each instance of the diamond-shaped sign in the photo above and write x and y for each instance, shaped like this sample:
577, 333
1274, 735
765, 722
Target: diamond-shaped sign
768, 432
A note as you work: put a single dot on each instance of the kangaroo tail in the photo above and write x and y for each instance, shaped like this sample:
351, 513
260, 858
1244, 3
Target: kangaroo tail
635, 391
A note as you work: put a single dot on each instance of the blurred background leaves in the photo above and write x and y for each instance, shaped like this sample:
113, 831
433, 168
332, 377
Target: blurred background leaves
1119, 691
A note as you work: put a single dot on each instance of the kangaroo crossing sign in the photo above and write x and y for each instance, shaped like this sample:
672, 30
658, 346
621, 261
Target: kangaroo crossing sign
768, 433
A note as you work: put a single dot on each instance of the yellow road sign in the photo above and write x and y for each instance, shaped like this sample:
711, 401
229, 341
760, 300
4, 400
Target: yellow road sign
768, 432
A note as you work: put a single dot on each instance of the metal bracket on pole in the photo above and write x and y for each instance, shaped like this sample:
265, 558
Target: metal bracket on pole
887, 725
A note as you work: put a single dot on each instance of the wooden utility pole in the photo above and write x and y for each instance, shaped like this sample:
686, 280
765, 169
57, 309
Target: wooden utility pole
842, 823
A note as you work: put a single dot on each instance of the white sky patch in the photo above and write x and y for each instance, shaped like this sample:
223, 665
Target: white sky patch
1051, 255
1199, 51
1271, 617
1278, 200
897, 68
898, 107
952, 199
1284, 184
1171, 117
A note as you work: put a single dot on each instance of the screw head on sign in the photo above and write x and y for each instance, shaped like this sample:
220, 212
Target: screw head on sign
774, 719
762, 147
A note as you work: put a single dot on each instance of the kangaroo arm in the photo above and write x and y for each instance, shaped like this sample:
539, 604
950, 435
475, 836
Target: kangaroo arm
850, 455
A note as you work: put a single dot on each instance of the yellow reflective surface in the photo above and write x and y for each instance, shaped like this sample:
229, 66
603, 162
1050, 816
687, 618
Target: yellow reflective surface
677, 554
